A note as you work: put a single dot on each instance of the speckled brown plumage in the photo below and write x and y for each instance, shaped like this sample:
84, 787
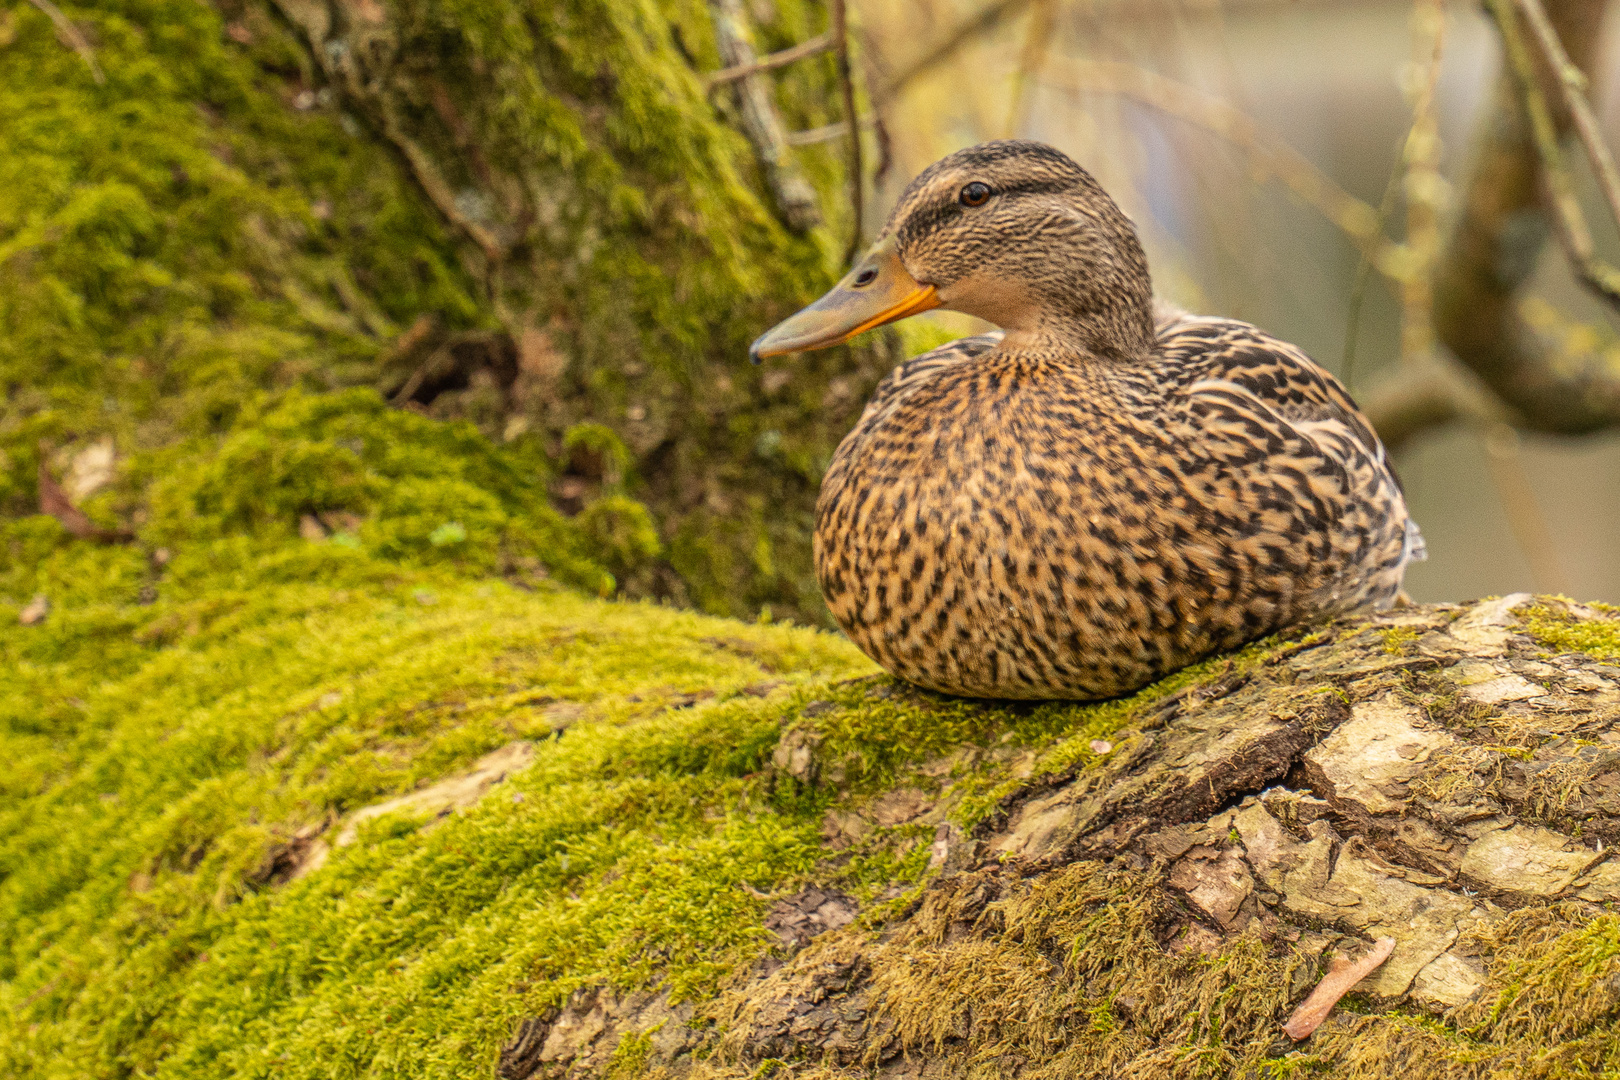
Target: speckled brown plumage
1093, 497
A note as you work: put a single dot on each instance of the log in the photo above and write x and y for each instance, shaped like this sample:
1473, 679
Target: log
1440, 776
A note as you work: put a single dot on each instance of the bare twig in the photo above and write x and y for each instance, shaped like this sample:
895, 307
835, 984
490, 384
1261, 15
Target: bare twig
827, 132
1568, 220
1572, 84
985, 19
1424, 188
1431, 393
433, 182
846, 86
795, 199
1266, 153
72, 38
1341, 976
813, 47
1554, 382
1358, 288
1523, 509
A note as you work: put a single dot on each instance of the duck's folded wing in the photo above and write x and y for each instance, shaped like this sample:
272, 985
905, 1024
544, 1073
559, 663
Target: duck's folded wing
1260, 380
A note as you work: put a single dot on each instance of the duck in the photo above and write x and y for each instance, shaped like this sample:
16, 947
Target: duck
1104, 490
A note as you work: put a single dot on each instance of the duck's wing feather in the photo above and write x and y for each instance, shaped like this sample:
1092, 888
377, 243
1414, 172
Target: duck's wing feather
1256, 378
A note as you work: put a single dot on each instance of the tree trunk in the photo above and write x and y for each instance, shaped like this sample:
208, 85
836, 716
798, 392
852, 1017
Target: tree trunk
630, 242
1158, 905
535, 218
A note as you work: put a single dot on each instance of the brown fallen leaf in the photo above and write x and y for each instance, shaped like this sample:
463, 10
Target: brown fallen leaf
55, 502
1341, 976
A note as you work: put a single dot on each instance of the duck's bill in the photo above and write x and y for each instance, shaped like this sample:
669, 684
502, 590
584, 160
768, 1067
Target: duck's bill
879, 290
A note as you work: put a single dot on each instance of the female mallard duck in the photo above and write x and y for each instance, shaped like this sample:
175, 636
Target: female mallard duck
1091, 498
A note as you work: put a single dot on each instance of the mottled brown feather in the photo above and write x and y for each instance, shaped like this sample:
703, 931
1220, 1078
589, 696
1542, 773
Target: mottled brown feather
1105, 492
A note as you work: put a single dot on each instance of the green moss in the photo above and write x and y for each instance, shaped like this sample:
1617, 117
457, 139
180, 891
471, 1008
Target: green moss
162, 755
178, 238
220, 226
1555, 626
1398, 640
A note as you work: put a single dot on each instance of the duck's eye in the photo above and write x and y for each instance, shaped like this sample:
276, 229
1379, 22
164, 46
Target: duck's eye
866, 277
975, 194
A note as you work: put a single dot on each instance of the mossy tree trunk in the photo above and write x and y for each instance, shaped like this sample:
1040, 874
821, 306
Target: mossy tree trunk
1155, 906
627, 247
530, 216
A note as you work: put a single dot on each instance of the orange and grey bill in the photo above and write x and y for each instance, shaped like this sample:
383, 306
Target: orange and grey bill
879, 290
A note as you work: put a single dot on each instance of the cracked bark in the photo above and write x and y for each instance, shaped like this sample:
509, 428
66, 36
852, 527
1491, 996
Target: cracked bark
1421, 776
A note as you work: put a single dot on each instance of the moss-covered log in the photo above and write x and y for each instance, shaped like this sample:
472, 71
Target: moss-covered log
352, 818
531, 218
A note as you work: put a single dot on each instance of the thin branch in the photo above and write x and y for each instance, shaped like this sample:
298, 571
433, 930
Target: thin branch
72, 38
1568, 220
1555, 381
984, 20
770, 62
846, 86
1432, 393
1266, 153
1341, 976
1358, 288
1423, 186
433, 182
1572, 83
761, 126
827, 132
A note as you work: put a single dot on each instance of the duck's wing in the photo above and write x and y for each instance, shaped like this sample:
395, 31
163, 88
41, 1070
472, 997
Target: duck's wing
1260, 382
913, 373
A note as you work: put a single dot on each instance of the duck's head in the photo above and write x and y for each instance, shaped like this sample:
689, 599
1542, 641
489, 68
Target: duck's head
1013, 232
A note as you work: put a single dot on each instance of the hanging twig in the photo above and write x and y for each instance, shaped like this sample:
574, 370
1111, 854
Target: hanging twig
813, 47
1423, 186
72, 38
1266, 153
846, 85
984, 20
1568, 220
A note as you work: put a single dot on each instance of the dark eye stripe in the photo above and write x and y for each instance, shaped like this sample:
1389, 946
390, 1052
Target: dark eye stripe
921, 221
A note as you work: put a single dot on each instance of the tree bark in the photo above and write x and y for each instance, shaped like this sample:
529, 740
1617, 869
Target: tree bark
632, 232
1158, 907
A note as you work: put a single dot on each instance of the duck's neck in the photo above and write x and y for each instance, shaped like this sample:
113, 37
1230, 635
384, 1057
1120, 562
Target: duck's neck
1120, 333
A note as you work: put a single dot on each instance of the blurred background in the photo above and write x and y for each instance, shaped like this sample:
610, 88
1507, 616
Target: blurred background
1123, 87
299, 289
